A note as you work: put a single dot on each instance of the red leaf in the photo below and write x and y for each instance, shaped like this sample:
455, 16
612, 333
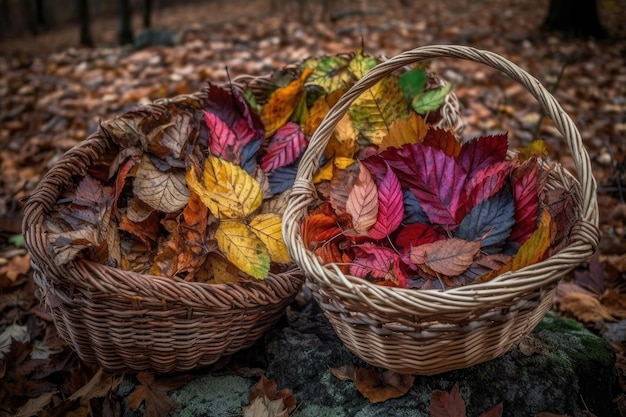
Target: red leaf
444, 140
362, 203
525, 193
435, 178
450, 257
222, 140
233, 109
482, 152
487, 182
377, 262
443, 404
416, 234
284, 148
391, 206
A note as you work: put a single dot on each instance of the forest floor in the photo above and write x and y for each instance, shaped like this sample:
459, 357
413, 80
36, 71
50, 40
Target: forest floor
53, 94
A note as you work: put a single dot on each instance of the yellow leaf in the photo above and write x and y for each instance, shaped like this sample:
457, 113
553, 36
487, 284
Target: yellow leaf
411, 130
282, 104
343, 141
243, 248
222, 270
531, 252
325, 173
226, 189
321, 106
268, 228
537, 147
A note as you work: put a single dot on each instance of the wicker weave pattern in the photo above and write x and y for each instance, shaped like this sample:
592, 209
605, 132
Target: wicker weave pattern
127, 321
431, 331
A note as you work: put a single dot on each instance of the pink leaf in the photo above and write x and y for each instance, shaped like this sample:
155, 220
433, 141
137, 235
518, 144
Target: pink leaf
450, 257
284, 147
525, 182
222, 140
391, 206
362, 203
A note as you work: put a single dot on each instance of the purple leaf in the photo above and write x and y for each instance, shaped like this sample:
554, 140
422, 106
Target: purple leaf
284, 147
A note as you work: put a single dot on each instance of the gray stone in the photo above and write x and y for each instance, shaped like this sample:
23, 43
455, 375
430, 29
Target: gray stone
562, 368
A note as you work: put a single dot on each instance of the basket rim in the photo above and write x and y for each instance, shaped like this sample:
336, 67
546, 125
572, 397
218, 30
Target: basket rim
585, 236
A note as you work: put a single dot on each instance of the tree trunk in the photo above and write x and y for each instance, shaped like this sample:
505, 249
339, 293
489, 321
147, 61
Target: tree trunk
42, 21
82, 9
147, 12
125, 32
574, 18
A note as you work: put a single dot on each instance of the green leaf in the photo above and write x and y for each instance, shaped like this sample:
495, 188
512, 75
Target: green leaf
377, 109
17, 240
361, 64
413, 82
430, 100
330, 73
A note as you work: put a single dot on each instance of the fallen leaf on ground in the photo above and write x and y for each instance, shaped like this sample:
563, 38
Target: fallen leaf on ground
585, 308
266, 402
378, 387
154, 393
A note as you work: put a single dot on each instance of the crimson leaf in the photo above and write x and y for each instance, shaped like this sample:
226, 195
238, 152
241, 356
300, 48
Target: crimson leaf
525, 192
284, 147
482, 152
390, 206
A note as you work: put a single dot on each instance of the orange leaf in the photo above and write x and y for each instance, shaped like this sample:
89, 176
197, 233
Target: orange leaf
283, 103
362, 203
450, 257
411, 130
615, 303
444, 140
321, 106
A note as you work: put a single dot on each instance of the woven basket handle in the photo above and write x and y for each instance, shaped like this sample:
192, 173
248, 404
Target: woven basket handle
303, 192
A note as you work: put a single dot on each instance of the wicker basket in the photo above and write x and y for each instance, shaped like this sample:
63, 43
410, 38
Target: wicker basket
128, 321
432, 331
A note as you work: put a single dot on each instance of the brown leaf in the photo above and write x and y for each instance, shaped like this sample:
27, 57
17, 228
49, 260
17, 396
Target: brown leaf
585, 308
449, 257
35, 405
345, 372
165, 191
614, 303
411, 130
266, 402
154, 393
443, 404
99, 386
378, 388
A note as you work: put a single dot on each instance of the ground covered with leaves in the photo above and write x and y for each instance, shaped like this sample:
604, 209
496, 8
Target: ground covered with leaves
53, 95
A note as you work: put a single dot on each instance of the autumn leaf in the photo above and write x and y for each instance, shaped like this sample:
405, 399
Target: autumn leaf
343, 142
361, 64
34, 406
411, 130
319, 228
585, 308
265, 401
99, 385
165, 191
531, 252
371, 261
282, 178
284, 147
362, 202
222, 140
331, 73
444, 404
382, 387
153, 392
480, 153
282, 104
221, 270
413, 82
390, 206
416, 234
430, 100
525, 182
491, 221
226, 189
243, 248
537, 147
268, 228
443, 140
449, 257
375, 110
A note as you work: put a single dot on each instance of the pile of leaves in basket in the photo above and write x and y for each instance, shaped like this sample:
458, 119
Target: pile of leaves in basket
420, 210
197, 191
